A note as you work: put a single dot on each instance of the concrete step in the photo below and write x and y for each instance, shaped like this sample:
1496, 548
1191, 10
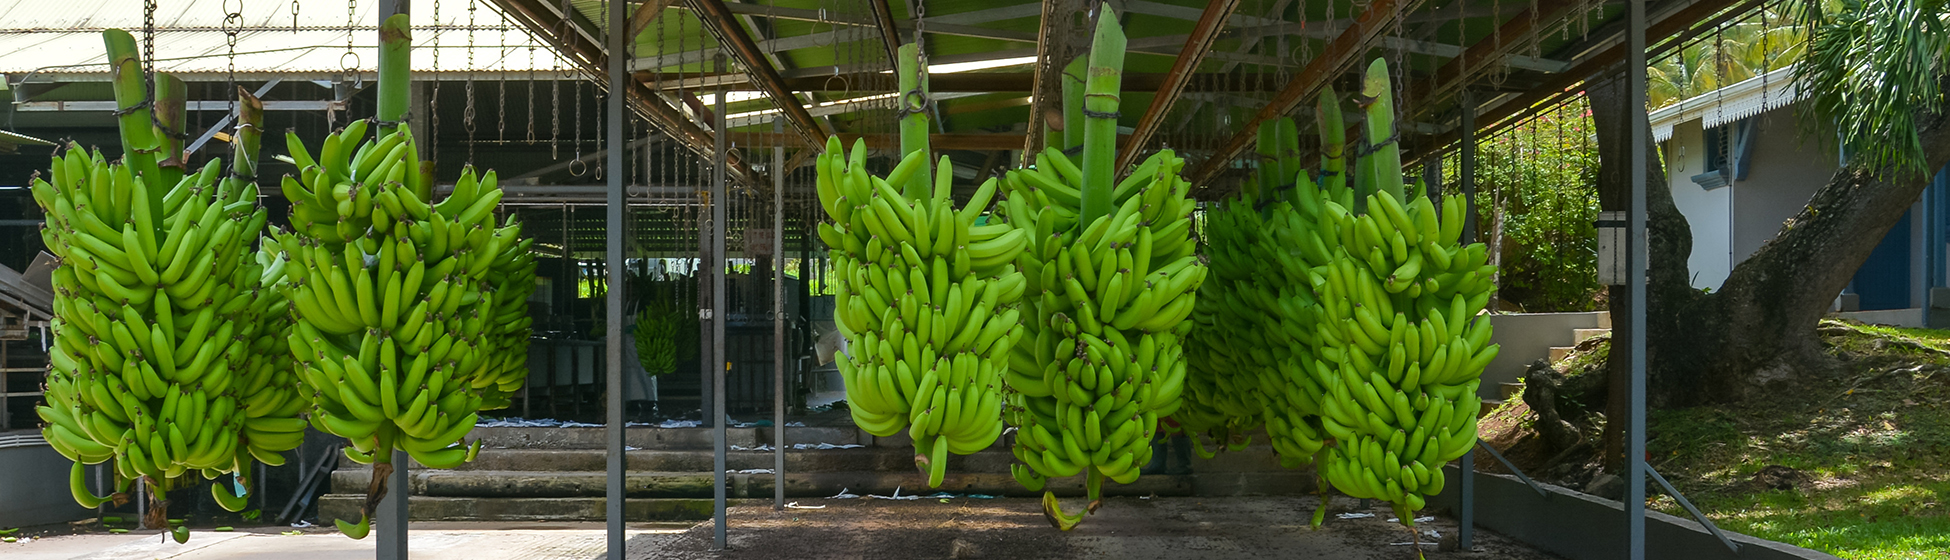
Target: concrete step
1558, 353
650, 437
1509, 389
429, 508
1578, 336
757, 487
1254, 458
1487, 406
699, 460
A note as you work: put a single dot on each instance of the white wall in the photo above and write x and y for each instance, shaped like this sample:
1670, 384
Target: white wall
1709, 213
1787, 170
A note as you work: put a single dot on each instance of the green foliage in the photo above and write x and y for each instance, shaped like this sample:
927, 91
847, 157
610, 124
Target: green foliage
1872, 66
1762, 42
1543, 176
1867, 439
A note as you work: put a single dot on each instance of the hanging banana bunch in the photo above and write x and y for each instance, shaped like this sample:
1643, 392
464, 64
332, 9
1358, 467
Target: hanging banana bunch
1402, 343
1115, 279
160, 358
927, 298
408, 313
656, 337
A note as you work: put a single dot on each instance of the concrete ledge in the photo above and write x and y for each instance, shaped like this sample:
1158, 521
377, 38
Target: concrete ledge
430, 508
34, 487
1580, 526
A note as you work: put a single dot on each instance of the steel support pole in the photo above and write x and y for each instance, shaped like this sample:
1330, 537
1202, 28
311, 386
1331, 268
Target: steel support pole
718, 363
1635, 262
778, 319
1466, 179
615, 454
392, 516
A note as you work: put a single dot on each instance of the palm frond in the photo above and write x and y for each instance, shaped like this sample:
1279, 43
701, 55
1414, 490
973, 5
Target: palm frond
1871, 67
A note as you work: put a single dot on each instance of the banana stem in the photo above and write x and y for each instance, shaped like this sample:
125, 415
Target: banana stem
1072, 140
250, 121
395, 71
1333, 141
171, 96
1100, 102
132, 109
915, 122
1387, 164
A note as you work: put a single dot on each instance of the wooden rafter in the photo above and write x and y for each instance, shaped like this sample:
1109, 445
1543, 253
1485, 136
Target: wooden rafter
960, 82
1045, 69
732, 34
1480, 56
976, 142
883, 17
1210, 23
591, 59
1338, 54
645, 13
1570, 82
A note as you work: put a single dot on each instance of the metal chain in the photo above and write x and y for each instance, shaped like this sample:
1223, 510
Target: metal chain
233, 23
433, 97
467, 113
501, 103
577, 138
555, 119
149, 42
1536, 35
531, 91
348, 62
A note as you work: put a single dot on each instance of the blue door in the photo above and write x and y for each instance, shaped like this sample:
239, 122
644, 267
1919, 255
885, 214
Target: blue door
1883, 280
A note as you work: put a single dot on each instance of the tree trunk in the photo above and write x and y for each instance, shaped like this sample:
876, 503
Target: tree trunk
1759, 326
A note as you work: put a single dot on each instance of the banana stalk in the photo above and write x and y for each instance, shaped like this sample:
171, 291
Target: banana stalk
927, 300
134, 116
172, 95
915, 123
162, 358
1100, 102
1102, 358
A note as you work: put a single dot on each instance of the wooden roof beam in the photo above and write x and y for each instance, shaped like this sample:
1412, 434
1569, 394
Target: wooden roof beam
1046, 70
1203, 34
732, 34
979, 142
883, 17
1342, 51
645, 13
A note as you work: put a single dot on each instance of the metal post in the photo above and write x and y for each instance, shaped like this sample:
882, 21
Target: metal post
393, 514
615, 455
778, 319
1635, 274
1466, 179
718, 363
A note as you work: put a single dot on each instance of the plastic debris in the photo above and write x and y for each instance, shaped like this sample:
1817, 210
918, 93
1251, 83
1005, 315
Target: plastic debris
795, 505
1354, 515
843, 495
1424, 519
750, 471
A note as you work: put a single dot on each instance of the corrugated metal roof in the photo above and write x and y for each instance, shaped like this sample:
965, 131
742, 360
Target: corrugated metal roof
65, 38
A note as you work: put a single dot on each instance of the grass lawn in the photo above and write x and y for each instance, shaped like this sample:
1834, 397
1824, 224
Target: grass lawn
1866, 446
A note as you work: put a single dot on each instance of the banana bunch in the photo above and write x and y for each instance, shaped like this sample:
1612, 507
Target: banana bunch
656, 337
1113, 280
160, 359
926, 301
927, 298
511, 277
411, 322
1401, 344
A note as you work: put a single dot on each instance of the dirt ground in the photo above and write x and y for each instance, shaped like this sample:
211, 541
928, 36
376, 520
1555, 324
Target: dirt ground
1014, 528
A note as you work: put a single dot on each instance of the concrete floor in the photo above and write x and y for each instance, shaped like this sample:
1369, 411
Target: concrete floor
1006, 528
430, 541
